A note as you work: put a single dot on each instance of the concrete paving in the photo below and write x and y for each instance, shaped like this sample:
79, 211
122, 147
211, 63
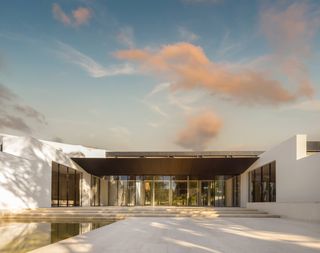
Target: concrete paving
183, 234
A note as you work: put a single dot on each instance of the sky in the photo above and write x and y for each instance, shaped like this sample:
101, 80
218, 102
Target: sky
161, 75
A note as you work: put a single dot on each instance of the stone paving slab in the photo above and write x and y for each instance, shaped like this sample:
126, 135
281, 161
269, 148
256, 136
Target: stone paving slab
195, 235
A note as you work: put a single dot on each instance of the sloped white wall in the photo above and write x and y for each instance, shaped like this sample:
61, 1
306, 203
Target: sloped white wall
297, 179
32, 160
24, 183
77, 150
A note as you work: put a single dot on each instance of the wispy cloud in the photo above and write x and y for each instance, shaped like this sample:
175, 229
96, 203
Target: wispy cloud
187, 67
199, 131
159, 88
290, 32
89, 65
309, 105
15, 115
78, 17
228, 45
187, 35
126, 36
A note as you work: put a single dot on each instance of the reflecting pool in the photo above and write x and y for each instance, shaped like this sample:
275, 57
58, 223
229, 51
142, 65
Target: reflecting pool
19, 237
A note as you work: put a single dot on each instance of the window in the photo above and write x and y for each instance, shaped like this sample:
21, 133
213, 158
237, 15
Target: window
65, 186
262, 183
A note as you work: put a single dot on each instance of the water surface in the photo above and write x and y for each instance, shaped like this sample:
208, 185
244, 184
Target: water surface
20, 237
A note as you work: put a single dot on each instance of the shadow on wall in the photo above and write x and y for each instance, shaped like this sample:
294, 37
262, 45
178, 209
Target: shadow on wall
25, 172
23, 183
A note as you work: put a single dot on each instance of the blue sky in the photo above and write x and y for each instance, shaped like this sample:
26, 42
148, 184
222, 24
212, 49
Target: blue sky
160, 75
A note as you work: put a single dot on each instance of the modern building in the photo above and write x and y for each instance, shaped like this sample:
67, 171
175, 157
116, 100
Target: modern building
283, 180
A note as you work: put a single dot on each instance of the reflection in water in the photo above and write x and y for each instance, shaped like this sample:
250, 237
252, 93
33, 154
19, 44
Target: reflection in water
20, 237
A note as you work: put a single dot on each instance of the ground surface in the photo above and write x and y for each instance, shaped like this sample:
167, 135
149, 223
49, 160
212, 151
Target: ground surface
195, 235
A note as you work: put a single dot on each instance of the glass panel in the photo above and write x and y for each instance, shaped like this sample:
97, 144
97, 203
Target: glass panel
265, 183
212, 193
54, 185
251, 186
122, 192
219, 192
147, 193
257, 186
71, 187
131, 193
193, 193
112, 191
63, 186
162, 192
204, 197
179, 193
97, 192
273, 182
77, 189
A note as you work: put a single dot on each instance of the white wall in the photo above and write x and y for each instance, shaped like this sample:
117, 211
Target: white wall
297, 177
77, 150
26, 161
24, 183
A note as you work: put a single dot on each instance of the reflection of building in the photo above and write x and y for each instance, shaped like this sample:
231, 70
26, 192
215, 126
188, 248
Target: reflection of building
282, 180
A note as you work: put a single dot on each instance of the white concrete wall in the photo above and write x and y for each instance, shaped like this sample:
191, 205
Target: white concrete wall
24, 183
297, 179
27, 161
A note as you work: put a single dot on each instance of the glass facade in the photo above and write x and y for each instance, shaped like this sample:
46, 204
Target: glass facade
95, 191
65, 186
262, 186
169, 190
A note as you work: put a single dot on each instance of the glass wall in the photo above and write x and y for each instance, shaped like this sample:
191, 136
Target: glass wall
95, 191
262, 186
236, 191
166, 191
65, 186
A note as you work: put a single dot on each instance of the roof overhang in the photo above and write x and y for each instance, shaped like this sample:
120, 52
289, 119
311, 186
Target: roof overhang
201, 167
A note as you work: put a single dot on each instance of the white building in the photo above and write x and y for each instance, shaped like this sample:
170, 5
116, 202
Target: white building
283, 180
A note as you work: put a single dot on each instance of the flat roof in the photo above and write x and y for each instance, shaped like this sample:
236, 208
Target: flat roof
173, 154
199, 167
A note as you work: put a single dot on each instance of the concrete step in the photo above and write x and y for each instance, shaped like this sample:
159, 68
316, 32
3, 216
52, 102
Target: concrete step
123, 212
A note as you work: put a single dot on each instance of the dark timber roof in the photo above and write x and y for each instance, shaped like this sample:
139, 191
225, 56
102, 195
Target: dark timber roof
183, 154
204, 165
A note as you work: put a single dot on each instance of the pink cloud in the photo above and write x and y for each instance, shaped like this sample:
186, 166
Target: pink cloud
81, 15
59, 15
290, 32
187, 67
199, 131
78, 16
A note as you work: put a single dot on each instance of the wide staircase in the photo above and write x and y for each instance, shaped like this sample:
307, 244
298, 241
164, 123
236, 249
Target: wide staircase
110, 212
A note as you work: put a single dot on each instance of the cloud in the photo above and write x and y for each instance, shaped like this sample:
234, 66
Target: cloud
159, 88
81, 15
93, 68
290, 32
188, 68
16, 115
126, 36
309, 105
77, 18
187, 35
199, 131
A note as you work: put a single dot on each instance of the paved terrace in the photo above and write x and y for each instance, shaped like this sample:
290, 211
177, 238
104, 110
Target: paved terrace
183, 234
